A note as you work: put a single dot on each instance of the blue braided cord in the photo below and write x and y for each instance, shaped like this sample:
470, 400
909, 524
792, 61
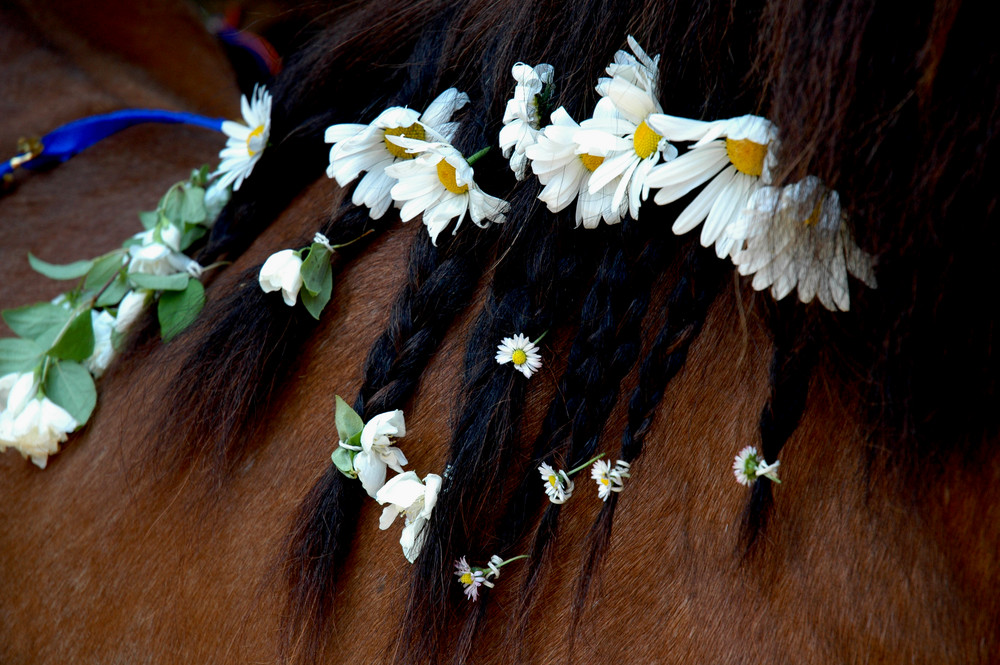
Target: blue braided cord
66, 141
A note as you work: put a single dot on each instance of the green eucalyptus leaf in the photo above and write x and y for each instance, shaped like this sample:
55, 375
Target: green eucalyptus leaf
73, 270
179, 309
348, 422
19, 355
114, 293
77, 343
314, 304
32, 321
149, 218
70, 385
176, 282
172, 203
104, 269
193, 206
315, 270
343, 459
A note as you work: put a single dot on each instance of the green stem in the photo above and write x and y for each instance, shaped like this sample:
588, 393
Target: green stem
585, 464
512, 559
351, 242
475, 158
540, 338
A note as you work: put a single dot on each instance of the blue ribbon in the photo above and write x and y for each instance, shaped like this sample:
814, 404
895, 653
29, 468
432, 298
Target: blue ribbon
66, 141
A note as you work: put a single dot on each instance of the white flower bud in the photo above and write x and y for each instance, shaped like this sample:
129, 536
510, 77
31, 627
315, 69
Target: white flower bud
282, 271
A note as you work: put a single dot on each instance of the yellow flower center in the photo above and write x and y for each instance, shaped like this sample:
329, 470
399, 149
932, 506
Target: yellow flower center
446, 174
605, 481
255, 141
414, 131
746, 156
814, 215
591, 162
466, 579
519, 357
645, 140
553, 481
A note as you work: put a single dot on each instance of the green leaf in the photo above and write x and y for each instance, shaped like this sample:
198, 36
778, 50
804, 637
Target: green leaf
19, 355
193, 207
343, 459
70, 385
349, 423
32, 321
77, 343
199, 177
191, 234
114, 293
316, 270
149, 218
179, 309
314, 304
172, 203
104, 269
73, 270
176, 282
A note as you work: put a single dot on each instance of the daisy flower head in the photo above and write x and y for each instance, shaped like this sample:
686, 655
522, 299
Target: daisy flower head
365, 148
558, 485
735, 157
749, 465
520, 351
630, 147
522, 118
470, 578
609, 478
439, 184
247, 141
565, 170
796, 236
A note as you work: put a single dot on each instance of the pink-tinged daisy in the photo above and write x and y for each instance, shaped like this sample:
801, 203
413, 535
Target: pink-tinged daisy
522, 118
357, 148
246, 142
736, 155
797, 236
470, 578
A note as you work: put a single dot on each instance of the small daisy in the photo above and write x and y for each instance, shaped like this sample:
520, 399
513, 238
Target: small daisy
522, 118
246, 142
749, 465
736, 155
609, 478
522, 352
557, 484
358, 148
470, 578
565, 169
630, 147
796, 236
439, 183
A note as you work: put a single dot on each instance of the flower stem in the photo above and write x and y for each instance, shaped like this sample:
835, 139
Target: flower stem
585, 464
540, 338
511, 560
351, 242
475, 158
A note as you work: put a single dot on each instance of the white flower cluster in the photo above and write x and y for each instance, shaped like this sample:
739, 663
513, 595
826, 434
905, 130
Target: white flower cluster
29, 421
785, 237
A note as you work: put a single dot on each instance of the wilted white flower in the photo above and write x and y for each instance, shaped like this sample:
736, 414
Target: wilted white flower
609, 478
520, 351
247, 141
406, 494
377, 451
34, 426
103, 323
129, 309
558, 485
522, 118
216, 198
282, 272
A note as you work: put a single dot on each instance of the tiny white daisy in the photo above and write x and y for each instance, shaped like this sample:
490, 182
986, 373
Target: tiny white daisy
737, 155
630, 147
749, 466
440, 184
522, 118
470, 578
246, 142
558, 485
566, 169
522, 352
609, 478
796, 236
358, 148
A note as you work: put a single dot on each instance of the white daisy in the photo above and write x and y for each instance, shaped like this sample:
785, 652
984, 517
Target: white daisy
439, 183
737, 155
796, 236
630, 147
522, 118
609, 478
246, 142
558, 485
358, 148
522, 352
749, 465
471, 578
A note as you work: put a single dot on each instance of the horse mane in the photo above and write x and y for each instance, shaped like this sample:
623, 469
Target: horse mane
898, 112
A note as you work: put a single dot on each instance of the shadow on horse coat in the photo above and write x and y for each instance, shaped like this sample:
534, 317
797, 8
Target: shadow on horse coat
196, 518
